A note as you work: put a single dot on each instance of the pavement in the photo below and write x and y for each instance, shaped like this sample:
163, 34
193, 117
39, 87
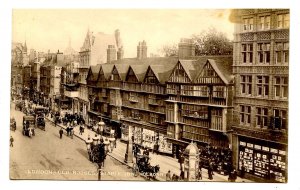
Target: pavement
47, 157
165, 162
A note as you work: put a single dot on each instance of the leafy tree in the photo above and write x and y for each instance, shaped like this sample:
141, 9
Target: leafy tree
212, 42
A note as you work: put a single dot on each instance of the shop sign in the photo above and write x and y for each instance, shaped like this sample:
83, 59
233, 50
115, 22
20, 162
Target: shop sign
273, 150
258, 147
266, 148
282, 152
249, 145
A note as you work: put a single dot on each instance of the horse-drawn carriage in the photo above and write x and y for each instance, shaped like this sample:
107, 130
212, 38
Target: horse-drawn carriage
28, 125
40, 122
13, 124
142, 166
96, 152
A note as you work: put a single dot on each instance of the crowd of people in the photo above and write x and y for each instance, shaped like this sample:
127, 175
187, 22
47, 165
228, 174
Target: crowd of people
216, 159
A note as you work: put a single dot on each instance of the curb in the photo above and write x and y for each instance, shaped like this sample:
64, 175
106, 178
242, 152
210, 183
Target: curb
81, 138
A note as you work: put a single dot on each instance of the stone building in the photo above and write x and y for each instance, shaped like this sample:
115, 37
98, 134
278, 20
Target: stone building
260, 67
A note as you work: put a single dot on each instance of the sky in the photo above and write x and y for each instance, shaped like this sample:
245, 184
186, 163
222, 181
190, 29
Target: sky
45, 29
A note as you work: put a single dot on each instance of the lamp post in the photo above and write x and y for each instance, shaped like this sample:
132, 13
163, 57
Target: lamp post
101, 125
128, 154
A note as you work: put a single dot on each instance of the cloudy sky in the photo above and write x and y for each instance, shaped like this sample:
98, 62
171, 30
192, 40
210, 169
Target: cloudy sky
52, 28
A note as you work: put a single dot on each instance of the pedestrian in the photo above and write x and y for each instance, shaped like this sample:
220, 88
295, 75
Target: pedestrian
234, 175
174, 177
210, 171
80, 130
61, 132
200, 174
181, 175
168, 176
11, 141
72, 132
88, 145
115, 142
243, 170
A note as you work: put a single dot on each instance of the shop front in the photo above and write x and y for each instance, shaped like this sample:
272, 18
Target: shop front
263, 159
145, 137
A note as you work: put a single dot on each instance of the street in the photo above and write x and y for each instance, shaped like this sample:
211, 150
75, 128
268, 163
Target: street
46, 156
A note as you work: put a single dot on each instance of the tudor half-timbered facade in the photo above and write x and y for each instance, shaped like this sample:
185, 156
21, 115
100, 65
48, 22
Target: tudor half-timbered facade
143, 104
199, 102
260, 66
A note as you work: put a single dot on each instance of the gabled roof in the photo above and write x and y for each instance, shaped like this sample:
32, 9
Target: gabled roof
162, 72
222, 66
107, 69
163, 66
93, 70
139, 71
122, 70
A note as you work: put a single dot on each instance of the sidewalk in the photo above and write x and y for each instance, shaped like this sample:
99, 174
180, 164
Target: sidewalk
166, 163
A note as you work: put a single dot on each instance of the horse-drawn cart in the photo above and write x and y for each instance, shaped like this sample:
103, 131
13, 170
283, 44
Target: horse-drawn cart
28, 125
142, 166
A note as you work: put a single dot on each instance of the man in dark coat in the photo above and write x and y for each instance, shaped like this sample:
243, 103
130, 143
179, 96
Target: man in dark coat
11, 141
61, 132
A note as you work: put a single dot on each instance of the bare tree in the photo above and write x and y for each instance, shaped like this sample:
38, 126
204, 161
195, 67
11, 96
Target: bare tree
169, 50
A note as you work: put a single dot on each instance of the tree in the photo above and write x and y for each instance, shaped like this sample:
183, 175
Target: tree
212, 42
169, 50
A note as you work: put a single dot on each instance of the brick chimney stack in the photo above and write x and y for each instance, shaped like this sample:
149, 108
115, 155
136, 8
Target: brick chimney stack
142, 50
186, 48
111, 53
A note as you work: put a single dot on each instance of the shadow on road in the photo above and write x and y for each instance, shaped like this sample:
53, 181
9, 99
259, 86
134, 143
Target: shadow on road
82, 152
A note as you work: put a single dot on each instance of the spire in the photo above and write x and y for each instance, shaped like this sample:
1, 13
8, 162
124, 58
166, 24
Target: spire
25, 47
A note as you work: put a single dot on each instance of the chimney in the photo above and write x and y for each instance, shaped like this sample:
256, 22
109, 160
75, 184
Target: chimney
142, 50
111, 53
186, 48
120, 53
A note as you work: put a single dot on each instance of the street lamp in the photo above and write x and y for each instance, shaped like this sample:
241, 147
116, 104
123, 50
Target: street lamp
101, 125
